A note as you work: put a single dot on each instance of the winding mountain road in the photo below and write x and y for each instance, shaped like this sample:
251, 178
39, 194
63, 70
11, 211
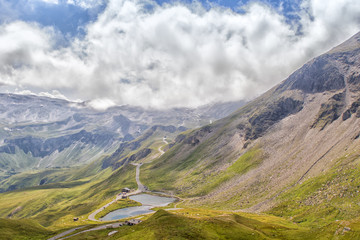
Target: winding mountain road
160, 150
141, 187
66, 233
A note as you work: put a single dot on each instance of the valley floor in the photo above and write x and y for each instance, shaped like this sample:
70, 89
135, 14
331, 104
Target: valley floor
288, 220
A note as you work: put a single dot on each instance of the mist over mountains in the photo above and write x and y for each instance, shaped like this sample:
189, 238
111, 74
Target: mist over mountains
40, 132
159, 144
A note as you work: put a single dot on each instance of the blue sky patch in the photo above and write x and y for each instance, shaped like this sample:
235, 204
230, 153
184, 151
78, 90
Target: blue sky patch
70, 19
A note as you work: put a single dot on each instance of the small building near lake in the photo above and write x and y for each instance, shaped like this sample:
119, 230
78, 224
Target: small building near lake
132, 222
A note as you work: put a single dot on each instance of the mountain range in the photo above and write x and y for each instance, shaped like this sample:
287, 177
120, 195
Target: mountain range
283, 166
302, 128
40, 132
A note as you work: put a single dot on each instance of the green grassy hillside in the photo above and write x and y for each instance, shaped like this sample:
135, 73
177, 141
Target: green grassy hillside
36, 178
205, 224
56, 204
22, 230
331, 197
54, 196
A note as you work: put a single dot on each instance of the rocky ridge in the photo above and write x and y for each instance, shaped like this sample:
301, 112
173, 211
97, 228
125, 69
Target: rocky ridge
284, 137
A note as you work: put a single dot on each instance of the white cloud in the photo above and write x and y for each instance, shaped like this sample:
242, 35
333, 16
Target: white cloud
86, 3
53, 94
24, 92
142, 54
101, 104
51, 1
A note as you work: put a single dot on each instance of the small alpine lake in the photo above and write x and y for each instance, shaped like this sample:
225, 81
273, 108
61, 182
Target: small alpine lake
148, 201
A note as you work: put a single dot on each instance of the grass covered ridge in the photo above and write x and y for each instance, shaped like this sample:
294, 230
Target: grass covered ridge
208, 224
121, 203
197, 224
203, 178
331, 199
22, 229
243, 164
56, 204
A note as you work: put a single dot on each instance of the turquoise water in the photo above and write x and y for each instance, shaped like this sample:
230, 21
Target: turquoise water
147, 201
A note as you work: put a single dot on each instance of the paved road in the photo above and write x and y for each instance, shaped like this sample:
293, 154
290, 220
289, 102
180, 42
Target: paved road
101, 227
92, 215
66, 233
141, 187
160, 150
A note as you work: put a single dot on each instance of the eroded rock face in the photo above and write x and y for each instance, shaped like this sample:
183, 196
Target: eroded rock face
194, 139
316, 76
137, 156
354, 79
354, 109
273, 113
120, 153
330, 111
180, 138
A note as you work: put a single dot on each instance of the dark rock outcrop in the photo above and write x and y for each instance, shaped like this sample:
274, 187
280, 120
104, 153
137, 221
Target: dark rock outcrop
319, 75
271, 114
354, 79
119, 153
180, 138
137, 156
354, 108
194, 139
330, 111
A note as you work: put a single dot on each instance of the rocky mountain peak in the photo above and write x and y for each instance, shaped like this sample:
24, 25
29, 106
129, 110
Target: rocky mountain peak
328, 72
351, 44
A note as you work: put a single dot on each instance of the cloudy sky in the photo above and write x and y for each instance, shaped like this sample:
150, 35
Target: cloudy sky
164, 53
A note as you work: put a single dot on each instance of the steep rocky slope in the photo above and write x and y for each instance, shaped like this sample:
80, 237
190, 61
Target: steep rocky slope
303, 128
